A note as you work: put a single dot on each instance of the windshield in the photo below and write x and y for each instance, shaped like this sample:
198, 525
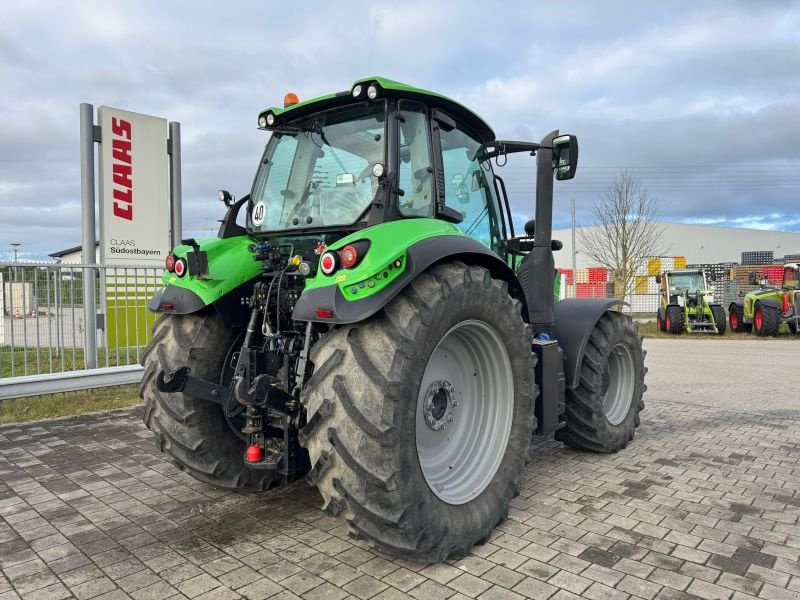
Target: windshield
690, 282
319, 173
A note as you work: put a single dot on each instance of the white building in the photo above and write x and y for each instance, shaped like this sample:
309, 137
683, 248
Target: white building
72, 256
698, 243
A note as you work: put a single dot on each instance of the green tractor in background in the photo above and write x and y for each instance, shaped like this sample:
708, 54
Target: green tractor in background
687, 304
762, 311
375, 326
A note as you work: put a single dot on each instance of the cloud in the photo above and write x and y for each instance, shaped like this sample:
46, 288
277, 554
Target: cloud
703, 99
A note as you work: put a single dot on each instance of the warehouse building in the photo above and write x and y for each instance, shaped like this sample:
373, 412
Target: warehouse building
697, 243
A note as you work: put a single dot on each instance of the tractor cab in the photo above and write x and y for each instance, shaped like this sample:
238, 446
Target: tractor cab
685, 286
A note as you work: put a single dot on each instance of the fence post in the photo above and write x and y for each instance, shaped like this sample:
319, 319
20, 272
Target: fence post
88, 238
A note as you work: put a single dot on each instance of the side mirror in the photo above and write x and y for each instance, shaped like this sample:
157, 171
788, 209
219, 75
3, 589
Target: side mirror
565, 157
658, 279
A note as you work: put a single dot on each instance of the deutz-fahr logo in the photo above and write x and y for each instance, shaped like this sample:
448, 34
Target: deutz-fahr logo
122, 168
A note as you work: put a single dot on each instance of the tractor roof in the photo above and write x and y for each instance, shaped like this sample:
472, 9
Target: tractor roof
682, 271
393, 89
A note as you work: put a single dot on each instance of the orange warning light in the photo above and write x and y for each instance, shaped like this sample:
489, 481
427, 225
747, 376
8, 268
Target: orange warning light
290, 99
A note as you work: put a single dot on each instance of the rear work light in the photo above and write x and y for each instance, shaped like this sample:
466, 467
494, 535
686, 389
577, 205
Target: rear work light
170, 263
324, 313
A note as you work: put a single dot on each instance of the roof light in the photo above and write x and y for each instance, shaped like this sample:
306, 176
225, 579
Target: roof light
290, 99
357, 90
170, 263
377, 170
262, 121
328, 263
349, 256
372, 92
270, 119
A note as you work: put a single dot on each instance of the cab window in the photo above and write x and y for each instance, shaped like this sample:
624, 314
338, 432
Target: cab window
469, 188
415, 171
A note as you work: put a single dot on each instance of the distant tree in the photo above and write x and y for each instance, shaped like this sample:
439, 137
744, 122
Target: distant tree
625, 231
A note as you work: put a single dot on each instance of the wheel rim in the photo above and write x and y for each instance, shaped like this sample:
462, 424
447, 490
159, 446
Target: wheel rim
658, 322
734, 320
758, 319
465, 409
669, 322
618, 382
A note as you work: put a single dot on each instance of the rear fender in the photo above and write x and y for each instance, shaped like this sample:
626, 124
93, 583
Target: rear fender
575, 319
768, 302
352, 295
230, 269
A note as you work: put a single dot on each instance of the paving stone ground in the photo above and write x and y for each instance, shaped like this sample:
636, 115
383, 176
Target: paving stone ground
705, 503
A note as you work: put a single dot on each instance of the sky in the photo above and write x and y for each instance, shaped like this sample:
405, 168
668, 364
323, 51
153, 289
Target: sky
701, 100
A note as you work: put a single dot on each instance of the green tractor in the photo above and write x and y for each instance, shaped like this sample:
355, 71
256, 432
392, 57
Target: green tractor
687, 303
375, 326
762, 311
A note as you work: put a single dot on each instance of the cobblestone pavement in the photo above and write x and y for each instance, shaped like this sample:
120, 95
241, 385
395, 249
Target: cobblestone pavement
704, 503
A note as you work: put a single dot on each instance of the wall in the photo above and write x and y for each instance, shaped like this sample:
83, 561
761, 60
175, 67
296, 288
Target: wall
698, 243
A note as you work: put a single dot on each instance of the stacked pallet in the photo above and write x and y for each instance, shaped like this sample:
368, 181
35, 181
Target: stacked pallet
750, 274
567, 276
757, 257
774, 275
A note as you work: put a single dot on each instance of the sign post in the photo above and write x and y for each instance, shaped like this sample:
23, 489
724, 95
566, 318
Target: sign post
140, 218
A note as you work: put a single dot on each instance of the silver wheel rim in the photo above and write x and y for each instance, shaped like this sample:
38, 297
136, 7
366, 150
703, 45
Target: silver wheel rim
618, 381
465, 408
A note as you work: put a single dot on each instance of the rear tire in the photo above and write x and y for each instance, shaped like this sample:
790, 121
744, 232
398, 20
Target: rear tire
662, 327
602, 413
194, 433
370, 440
674, 320
766, 320
719, 319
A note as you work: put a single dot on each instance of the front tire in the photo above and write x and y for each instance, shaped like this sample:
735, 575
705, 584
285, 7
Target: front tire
766, 320
602, 413
719, 319
193, 432
662, 326
674, 320
386, 455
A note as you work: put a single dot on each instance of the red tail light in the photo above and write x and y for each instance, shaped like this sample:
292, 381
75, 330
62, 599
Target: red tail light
180, 267
328, 263
170, 263
324, 313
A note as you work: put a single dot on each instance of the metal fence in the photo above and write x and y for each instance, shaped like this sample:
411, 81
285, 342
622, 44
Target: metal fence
43, 329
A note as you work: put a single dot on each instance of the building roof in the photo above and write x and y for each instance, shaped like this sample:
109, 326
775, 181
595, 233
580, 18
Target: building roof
61, 253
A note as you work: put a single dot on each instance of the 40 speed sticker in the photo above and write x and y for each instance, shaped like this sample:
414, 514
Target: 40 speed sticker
259, 212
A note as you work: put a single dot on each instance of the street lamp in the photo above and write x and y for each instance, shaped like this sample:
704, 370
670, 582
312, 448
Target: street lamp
15, 245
